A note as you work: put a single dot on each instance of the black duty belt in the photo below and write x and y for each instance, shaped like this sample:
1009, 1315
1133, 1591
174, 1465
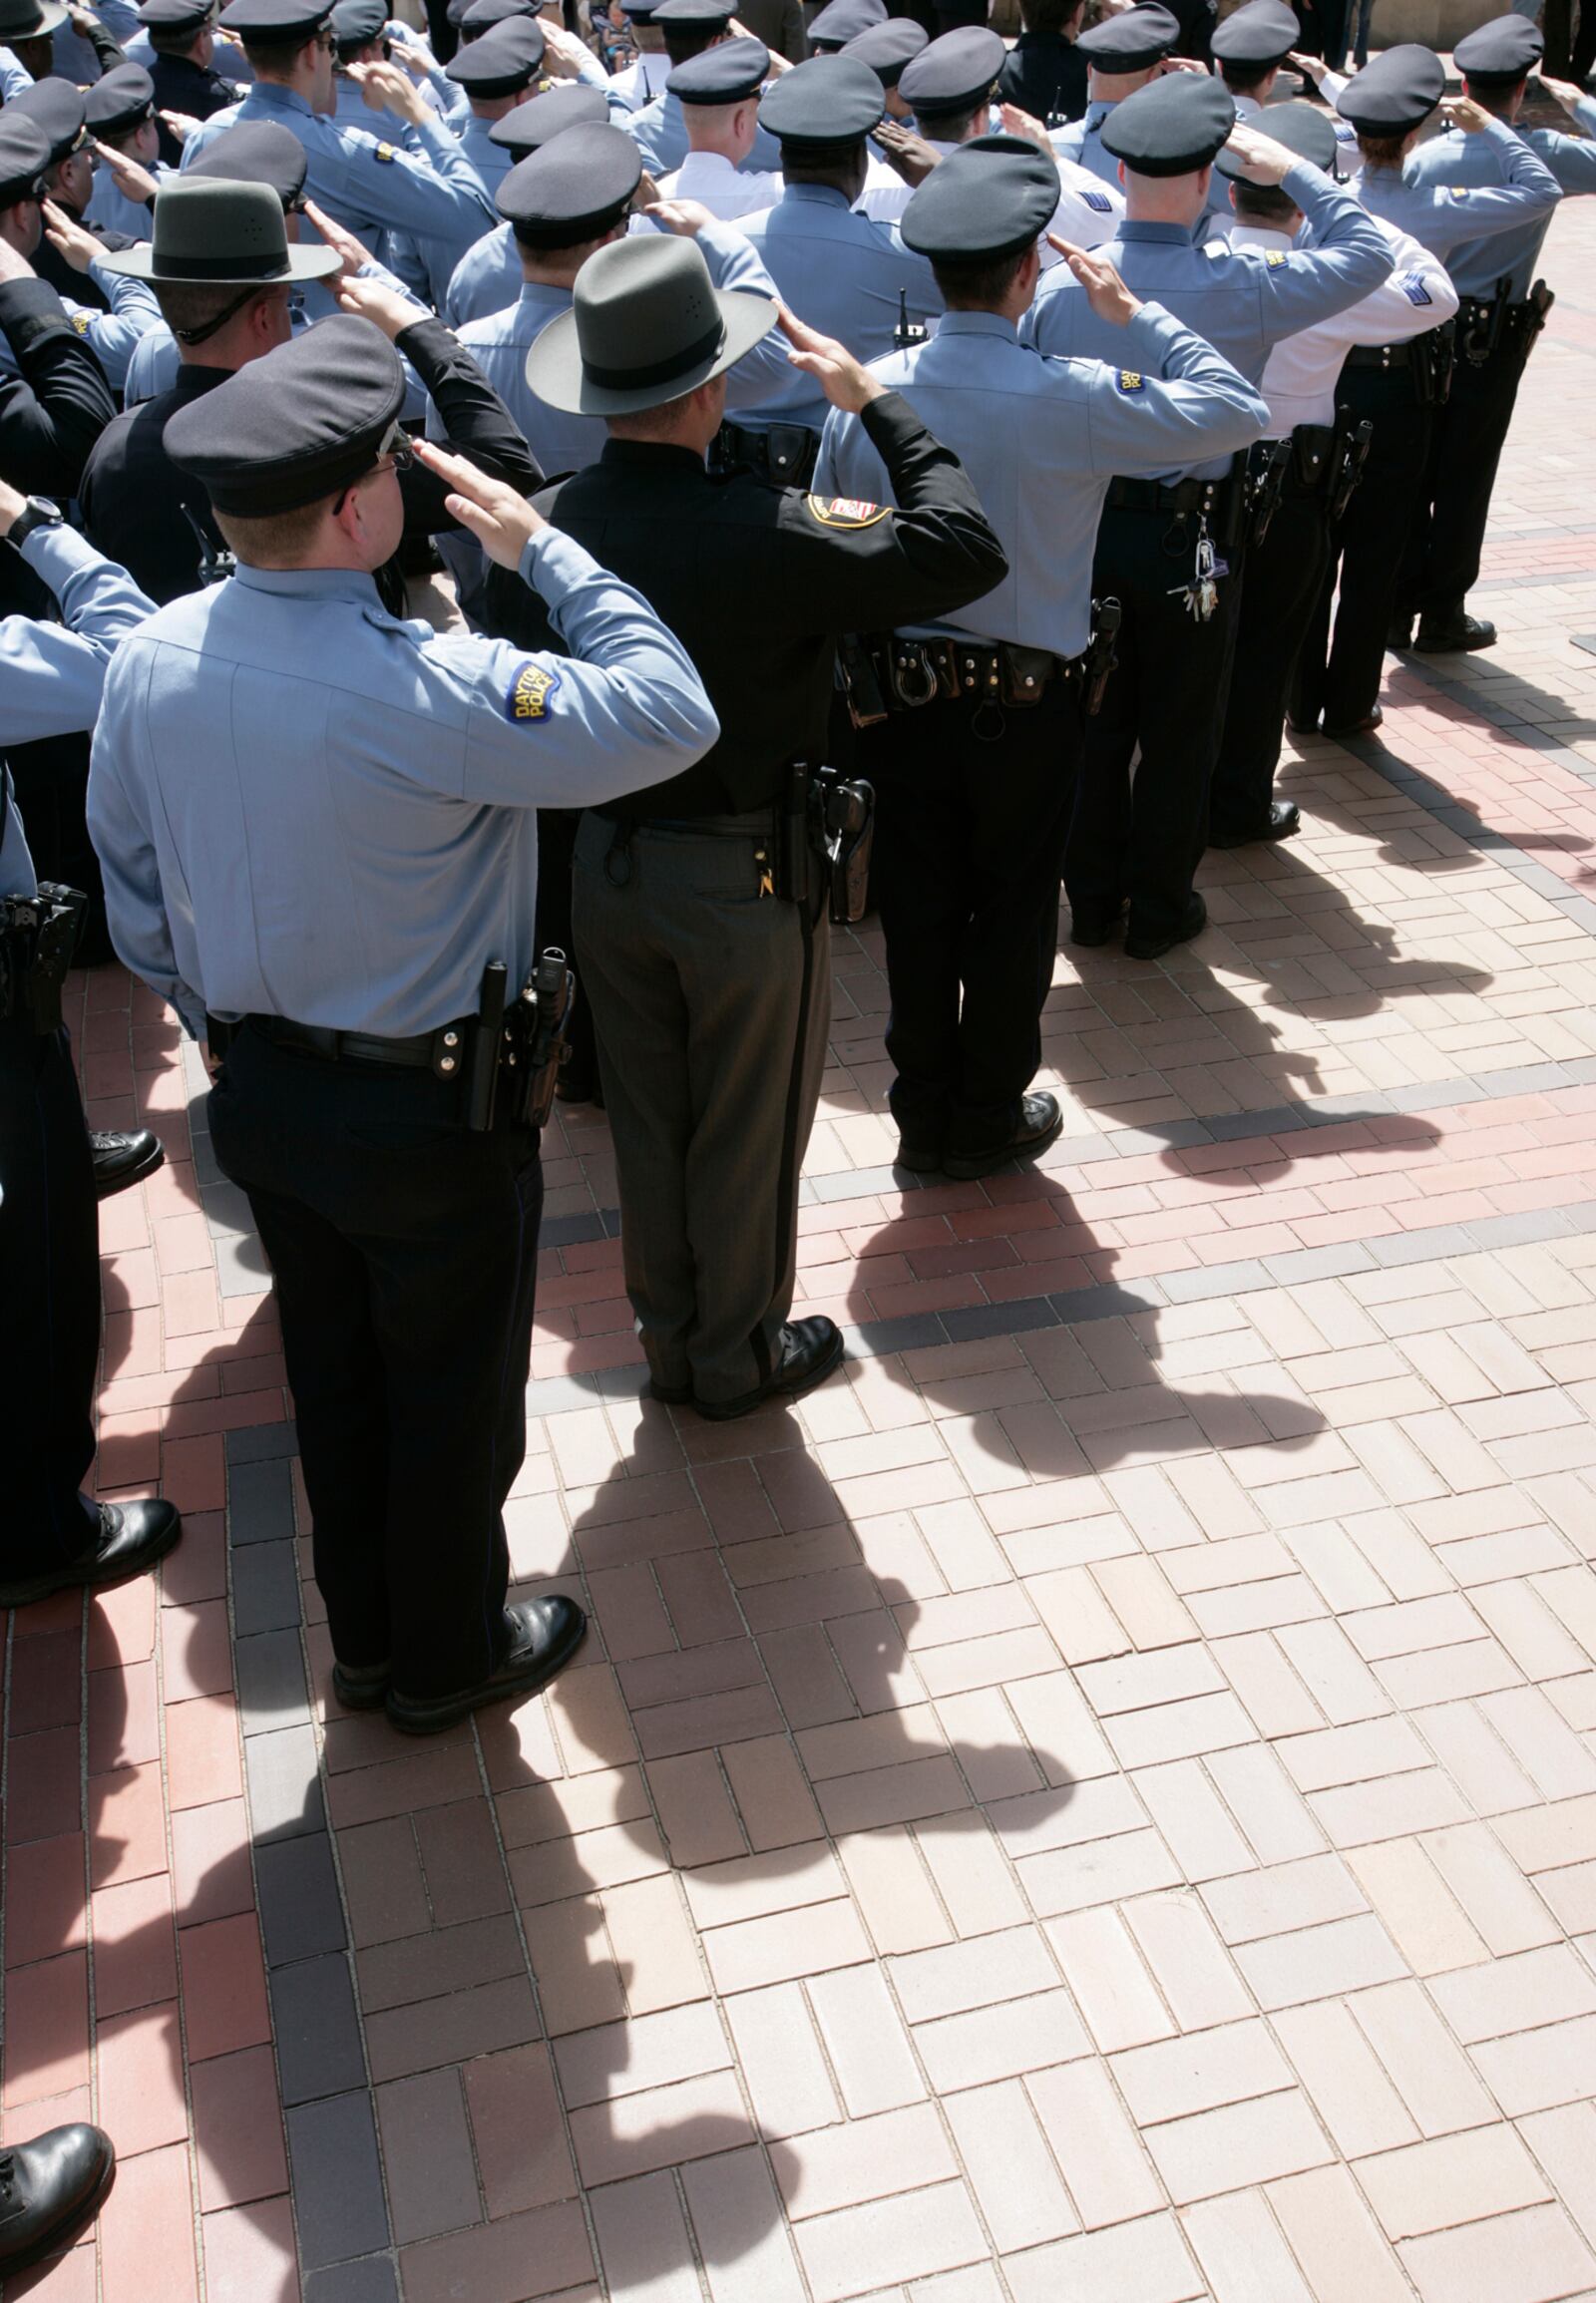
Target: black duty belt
1408, 355
784, 455
912, 674
1209, 497
441, 1051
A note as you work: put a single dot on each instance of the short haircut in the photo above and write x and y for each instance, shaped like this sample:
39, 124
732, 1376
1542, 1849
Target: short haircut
276, 539
1241, 79
1383, 151
542, 254
1049, 15
983, 284
655, 422
1262, 204
826, 165
1495, 97
189, 304
951, 126
180, 41
274, 58
684, 41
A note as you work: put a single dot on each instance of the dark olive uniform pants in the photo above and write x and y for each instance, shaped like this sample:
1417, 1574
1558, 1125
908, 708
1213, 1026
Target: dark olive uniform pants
404, 1250
713, 1004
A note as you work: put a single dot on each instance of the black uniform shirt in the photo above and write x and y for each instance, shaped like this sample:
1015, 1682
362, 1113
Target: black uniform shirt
759, 583
1046, 75
183, 85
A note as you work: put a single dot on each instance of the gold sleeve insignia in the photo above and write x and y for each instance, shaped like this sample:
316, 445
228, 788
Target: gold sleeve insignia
844, 510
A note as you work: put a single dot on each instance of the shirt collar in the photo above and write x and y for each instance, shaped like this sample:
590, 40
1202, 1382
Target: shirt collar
1097, 112
976, 324
817, 194
663, 455
1256, 235
271, 96
1167, 235
350, 584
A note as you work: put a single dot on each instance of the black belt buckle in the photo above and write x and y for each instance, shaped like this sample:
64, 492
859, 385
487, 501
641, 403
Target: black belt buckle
914, 679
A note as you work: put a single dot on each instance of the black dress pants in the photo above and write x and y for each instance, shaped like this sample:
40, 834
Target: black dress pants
1283, 574
557, 845
1441, 562
972, 801
1143, 840
404, 1250
50, 1288
1339, 675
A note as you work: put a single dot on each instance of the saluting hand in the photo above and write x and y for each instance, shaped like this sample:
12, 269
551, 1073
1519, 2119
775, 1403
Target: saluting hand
1563, 92
352, 253
1018, 122
1106, 292
69, 240
1463, 112
903, 150
1262, 161
181, 124
12, 505
563, 53
686, 218
846, 382
375, 301
1313, 68
132, 181
384, 88
14, 265
503, 523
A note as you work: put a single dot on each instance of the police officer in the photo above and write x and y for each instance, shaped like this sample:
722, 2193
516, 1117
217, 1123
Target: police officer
887, 48
426, 186
1503, 312
55, 1537
1399, 388
50, 2186
948, 86
1044, 71
703, 941
486, 278
1122, 53
1169, 549
496, 73
1249, 48
840, 21
1307, 468
318, 821
975, 761
719, 96
119, 112
638, 84
182, 38
690, 27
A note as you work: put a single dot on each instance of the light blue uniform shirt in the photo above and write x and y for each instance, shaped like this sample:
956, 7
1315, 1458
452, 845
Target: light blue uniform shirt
432, 263
307, 807
1242, 300
1446, 212
51, 674
1042, 438
72, 55
1455, 159
841, 272
111, 210
662, 134
14, 77
1081, 141
422, 184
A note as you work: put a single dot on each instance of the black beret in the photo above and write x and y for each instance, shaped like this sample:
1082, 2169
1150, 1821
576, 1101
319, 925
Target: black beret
176, 15
1171, 127
990, 199
1398, 90
574, 189
274, 23
728, 73
503, 61
57, 109
24, 156
953, 73
696, 12
1131, 42
888, 46
357, 22
1501, 53
829, 101
257, 152
843, 20
528, 127
1259, 34
120, 100
1302, 128
303, 421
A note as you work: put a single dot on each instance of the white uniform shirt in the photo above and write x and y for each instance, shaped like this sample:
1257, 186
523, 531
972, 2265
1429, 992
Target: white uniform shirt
726, 192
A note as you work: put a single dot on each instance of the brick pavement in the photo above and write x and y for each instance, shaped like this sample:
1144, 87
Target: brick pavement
1098, 1805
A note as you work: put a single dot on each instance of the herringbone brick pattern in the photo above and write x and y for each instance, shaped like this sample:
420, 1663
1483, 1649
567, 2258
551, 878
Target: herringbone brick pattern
1097, 1805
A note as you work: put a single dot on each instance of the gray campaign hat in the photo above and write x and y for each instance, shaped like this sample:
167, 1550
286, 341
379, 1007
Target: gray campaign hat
648, 325
29, 19
216, 232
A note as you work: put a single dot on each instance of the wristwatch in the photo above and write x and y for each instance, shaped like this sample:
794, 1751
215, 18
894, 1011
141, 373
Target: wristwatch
37, 512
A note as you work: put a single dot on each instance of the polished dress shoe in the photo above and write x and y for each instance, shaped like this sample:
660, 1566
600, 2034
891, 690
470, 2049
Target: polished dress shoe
121, 1160
49, 2188
810, 1351
1192, 923
1353, 729
1040, 1122
1454, 635
1283, 820
544, 1636
133, 1536
1090, 925
360, 1687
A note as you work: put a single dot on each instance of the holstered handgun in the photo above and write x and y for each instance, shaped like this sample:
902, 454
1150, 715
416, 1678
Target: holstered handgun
1540, 300
845, 809
537, 1047
38, 936
1351, 454
1101, 657
866, 704
483, 1046
1484, 331
1266, 483
1433, 374
794, 875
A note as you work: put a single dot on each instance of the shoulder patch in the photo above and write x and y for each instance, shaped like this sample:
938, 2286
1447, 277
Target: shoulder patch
1130, 380
1458, 191
80, 321
1274, 259
385, 152
529, 693
1414, 288
1098, 200
844, 510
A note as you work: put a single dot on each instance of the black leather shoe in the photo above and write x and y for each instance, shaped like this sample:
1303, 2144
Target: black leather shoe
1091, 927
1371, 721
1399, 634
121, 1160
671, 1395
1454, 635
49, 2188
1040, 1121
544, 1636
811, 1349
1193, 923
360, 1687
1283, 820
920, 1159
133, 1536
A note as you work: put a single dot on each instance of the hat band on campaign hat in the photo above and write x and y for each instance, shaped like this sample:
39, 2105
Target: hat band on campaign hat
680, 363
264, 264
